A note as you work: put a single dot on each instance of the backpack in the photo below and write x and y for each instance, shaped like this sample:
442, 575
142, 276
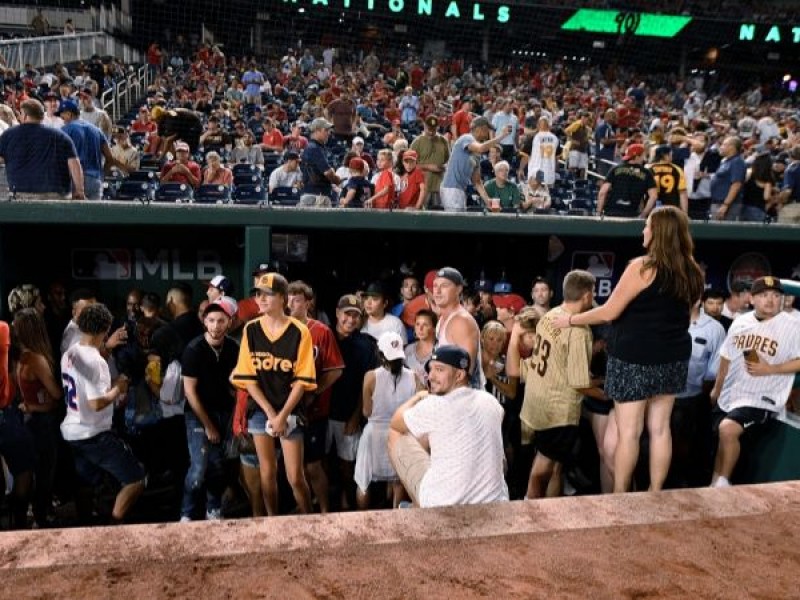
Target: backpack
172, 384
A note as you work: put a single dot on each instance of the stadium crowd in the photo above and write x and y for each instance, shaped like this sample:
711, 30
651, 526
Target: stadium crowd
523, 137
298, 411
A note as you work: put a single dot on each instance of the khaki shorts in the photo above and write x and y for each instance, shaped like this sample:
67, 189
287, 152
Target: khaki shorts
790, 213
411, 461
25, 196
320, 201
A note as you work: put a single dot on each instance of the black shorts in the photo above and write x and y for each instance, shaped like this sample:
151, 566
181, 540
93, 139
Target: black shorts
105, 452
315, 434
557, 443
745, 416
683, 421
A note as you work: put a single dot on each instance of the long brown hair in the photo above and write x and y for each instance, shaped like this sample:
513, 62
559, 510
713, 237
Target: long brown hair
30, 333
671, 254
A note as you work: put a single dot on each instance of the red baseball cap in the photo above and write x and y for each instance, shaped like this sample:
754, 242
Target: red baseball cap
512, 302
357, 164
633, 151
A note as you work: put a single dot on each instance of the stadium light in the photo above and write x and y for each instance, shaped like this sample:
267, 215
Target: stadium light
617, 22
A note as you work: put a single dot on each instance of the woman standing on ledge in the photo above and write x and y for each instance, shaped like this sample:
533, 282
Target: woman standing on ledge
649, 345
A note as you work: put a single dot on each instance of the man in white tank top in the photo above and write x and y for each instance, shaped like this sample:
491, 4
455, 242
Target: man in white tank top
456, 326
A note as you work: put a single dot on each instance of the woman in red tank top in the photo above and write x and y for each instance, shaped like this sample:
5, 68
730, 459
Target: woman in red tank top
36, 377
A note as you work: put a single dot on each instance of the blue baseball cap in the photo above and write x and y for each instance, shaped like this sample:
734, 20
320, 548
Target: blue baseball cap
68, 105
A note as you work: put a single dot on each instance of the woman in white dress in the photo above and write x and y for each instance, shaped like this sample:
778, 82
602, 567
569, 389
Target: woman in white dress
385, 389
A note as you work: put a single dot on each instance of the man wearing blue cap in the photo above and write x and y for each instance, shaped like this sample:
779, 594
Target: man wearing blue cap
447, 446
92, 147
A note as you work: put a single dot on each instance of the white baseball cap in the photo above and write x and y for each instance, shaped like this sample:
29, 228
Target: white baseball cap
391, 345
358, 140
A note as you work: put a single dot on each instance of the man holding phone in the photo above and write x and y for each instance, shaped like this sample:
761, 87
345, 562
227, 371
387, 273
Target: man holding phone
758, 361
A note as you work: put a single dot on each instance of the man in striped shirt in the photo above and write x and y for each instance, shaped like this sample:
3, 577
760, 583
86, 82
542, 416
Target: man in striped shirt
556, 378
758, 361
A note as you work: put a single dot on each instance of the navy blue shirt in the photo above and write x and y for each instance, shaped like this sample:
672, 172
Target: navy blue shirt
36, 159
314, 164
360, 354
729, 172
363, 191
88, 140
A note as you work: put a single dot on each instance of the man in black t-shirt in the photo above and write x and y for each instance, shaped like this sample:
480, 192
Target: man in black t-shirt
626, 186
670, 180
206, 364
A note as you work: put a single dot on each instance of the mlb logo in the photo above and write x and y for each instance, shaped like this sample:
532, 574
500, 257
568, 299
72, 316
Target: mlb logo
101, 264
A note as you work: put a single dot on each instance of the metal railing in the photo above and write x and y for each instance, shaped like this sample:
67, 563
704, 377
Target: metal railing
44, 51
119, 98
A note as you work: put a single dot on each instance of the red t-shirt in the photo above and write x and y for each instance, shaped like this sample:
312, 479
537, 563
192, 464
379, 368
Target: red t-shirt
141, 127
385, 180
327, 357
273, 138
412, 307
410, 195
6, 384
181, 177
248, 309
462, 121
391, 113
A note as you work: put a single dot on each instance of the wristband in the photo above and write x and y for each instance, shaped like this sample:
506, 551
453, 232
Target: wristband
569, 321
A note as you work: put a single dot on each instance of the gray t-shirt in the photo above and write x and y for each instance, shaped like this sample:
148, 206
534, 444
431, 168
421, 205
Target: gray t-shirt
461, 164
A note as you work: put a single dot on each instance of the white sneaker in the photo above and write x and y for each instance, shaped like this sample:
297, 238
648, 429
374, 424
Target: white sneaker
215, 514
185, 519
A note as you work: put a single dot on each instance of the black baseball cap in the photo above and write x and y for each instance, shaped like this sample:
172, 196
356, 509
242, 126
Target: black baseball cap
455, 356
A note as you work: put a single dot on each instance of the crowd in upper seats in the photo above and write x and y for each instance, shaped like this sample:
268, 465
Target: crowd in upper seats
263, 113
254, 111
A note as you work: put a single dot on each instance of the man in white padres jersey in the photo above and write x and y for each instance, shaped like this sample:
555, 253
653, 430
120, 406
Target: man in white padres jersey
556, 378
758, 361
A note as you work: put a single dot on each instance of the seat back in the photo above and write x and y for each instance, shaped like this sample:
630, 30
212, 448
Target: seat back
249, 193
212, 193
144, 175
251, 178
174, 192
284, 196
134, 190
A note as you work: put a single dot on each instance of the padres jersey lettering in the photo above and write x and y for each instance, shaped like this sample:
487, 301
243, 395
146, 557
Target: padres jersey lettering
774, 341
275, 364
670, 182
557, 368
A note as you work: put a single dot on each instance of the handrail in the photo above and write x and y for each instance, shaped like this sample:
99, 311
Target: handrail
48, 50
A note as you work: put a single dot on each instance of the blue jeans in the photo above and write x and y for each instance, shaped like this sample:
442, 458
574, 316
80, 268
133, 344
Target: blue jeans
206, 474
93, 187
753, 214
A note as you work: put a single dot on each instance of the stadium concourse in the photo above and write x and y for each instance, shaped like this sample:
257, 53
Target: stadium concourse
733, 543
